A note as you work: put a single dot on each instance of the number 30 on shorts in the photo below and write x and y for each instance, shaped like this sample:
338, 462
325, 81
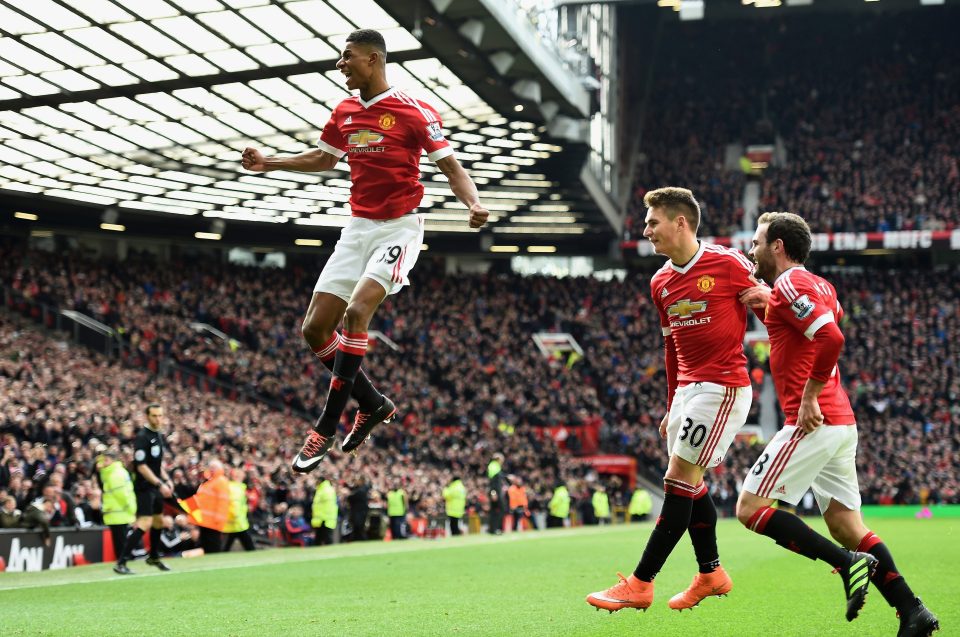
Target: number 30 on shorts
696, 436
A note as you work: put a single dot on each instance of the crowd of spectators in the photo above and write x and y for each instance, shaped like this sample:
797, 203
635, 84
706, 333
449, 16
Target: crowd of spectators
470, 381
62, 402
866, 108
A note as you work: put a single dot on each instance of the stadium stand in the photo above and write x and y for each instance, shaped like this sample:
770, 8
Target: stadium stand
869, 138
476, 384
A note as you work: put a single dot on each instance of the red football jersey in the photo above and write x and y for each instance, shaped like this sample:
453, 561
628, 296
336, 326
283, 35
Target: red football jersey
383, 139
700, 311
800, 304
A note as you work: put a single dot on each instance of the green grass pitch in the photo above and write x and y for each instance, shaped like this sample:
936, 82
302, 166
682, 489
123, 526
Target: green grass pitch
517, 585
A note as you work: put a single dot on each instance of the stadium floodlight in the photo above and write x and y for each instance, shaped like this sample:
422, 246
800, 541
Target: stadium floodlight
502, 61
527, 90
472, 30
110, 216
441, 5
549, 110
691, 10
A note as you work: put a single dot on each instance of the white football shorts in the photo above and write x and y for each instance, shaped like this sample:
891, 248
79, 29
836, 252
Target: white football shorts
382, 250
793, 462
704, 420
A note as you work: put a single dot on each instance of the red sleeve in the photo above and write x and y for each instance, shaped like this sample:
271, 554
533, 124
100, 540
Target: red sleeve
670, 351
429, 133
331, 139
741, 272
669, 348
828, 341
811, 306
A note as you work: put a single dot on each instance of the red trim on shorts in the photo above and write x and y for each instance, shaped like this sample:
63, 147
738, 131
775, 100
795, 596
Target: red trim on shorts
397, 278
779, 463
354, 343
869, 541
758, 521
719, 423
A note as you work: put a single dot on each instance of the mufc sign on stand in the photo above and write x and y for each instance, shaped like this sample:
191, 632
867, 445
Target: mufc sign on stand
838, 242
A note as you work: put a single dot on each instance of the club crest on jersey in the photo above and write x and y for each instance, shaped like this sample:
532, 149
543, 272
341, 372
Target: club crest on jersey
434, 131
362, 140
388, 121
705, 283
802, 306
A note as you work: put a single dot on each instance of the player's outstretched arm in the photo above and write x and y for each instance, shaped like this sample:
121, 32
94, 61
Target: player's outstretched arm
312, 161
465, 190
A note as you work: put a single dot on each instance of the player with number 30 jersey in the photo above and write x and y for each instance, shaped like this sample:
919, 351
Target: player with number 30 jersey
708, 394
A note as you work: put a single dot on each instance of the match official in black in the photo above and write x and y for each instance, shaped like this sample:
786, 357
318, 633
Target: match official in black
151, 485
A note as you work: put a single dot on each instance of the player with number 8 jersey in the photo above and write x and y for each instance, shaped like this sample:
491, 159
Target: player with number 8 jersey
382, 132
817, 447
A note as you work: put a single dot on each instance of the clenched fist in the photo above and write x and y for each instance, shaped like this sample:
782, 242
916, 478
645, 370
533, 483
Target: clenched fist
478, 215
253, 159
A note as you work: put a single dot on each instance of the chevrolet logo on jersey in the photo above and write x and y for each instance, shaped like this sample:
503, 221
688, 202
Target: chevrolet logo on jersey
363, 138
684, 310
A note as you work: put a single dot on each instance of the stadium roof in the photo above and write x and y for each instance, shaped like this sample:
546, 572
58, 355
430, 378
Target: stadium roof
142, 107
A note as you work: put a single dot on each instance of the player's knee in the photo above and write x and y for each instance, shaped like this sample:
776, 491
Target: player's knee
315, 333
845, 533
746, 509
745, 512
357, 316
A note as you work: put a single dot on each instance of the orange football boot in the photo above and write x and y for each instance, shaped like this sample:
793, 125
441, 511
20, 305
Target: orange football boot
704, 585
629, 593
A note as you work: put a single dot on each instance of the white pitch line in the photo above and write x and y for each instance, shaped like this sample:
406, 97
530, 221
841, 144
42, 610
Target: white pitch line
286, 555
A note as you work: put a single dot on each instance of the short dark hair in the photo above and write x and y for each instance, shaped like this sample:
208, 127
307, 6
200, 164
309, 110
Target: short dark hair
676, 201
371, 38
151, 406
792, 230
